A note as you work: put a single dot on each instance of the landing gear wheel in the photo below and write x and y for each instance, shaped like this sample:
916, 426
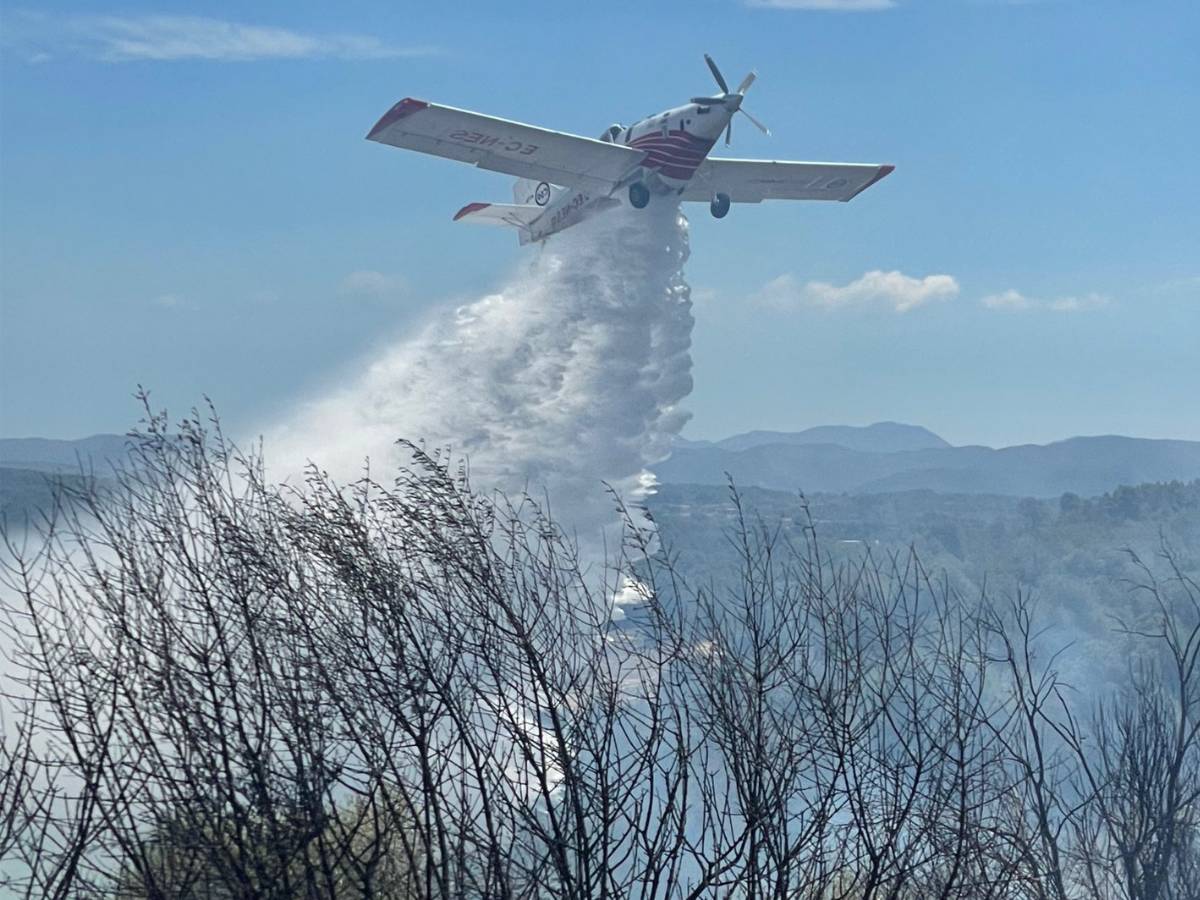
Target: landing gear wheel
719, 206
639, 195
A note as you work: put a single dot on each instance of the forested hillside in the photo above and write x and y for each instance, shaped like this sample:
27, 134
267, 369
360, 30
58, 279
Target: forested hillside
1071, 553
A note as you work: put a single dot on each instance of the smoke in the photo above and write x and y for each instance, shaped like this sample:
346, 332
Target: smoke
568, 378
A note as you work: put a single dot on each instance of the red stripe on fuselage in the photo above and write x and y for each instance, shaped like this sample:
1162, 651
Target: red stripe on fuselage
674, 148
676, 155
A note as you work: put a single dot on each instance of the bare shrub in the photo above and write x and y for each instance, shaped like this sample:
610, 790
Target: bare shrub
229, 688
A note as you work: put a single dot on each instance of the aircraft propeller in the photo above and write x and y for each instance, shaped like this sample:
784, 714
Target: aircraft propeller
730, 98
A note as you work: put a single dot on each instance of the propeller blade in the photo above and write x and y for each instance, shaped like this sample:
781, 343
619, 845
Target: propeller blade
716, 73
729, 132
761, 127
746, 82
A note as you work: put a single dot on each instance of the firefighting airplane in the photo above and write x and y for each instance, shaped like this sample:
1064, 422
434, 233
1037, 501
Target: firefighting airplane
564, 178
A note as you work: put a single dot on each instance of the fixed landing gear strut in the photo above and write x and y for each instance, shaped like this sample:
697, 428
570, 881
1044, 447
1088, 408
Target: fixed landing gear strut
639, 195
719, 206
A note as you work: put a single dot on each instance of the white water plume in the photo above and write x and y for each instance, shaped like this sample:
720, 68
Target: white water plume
568, 378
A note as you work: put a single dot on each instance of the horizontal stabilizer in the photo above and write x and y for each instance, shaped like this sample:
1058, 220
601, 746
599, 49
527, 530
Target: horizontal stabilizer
519, 215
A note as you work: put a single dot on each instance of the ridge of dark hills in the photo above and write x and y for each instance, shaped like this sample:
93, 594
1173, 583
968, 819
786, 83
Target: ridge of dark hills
886, 457
99, 451
1087, 466
882, 437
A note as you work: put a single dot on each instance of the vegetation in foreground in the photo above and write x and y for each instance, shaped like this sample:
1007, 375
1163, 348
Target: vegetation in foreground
223, 688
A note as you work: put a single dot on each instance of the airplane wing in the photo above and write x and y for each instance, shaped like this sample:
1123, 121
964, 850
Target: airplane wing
503, 146
755, 180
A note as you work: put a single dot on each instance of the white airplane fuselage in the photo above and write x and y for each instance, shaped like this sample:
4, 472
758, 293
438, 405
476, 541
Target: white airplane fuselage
676, 142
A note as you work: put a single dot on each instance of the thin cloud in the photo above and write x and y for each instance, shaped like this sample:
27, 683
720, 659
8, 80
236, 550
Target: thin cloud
1009, 299
370, 285
1014, 301
1188, 285
825, 5
171, 301
168, 38
1076, 304
895, 290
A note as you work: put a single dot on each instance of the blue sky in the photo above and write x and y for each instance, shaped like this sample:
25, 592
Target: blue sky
187, 202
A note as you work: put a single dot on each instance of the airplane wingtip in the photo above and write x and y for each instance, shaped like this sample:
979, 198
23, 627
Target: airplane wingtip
884, 171
470, 208
405, 107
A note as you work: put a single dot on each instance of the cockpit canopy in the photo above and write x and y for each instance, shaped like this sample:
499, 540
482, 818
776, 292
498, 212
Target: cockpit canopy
611, 132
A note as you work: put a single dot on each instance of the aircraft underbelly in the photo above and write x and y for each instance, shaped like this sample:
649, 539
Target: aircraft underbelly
670, 161
570, 209
666, 184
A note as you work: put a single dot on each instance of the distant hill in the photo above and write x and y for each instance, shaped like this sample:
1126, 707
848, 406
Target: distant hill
882, 458
101, 451
882, 437
1087, 466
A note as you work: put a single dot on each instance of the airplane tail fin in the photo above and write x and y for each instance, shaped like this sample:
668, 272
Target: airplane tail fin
531, 191
518, 215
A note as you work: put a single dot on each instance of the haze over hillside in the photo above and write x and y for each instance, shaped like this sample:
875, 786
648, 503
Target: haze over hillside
889, 457
883, 458
1070, 553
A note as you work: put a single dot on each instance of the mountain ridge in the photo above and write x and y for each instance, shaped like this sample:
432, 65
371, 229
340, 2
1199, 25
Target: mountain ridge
884, 457
885, 436
100, 451
1087, 466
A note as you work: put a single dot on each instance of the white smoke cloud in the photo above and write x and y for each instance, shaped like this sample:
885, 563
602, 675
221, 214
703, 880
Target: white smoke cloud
370, 285
631, 593
569, 377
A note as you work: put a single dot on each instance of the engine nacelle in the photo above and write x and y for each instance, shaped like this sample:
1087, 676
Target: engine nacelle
611, 132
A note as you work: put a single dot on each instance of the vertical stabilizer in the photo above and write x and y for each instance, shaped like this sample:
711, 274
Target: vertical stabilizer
531, 192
